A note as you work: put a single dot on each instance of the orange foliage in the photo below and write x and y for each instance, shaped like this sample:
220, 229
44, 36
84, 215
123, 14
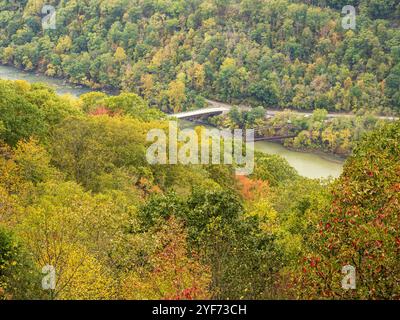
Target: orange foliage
252, 189
147, 187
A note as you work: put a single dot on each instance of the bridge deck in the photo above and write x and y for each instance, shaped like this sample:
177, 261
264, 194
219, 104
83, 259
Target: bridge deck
201, 112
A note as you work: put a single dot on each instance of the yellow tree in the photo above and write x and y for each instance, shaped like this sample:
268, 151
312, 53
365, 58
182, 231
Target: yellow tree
33, 7
8, 55
64, 45
71, 231
176, 94
197, 75
120, 55
147, 85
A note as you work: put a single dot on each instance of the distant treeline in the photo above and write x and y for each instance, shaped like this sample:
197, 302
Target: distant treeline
273, 53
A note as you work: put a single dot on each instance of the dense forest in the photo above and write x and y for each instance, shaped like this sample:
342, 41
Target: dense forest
174, 53
77, 192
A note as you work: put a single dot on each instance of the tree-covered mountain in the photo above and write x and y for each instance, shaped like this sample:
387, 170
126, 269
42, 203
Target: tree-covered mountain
76, 193
275, 53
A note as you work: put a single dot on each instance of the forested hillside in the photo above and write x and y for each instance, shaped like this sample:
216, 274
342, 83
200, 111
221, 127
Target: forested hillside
274, 53
77, 193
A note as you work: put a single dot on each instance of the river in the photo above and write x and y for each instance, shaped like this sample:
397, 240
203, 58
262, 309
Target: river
309, 165
61, 86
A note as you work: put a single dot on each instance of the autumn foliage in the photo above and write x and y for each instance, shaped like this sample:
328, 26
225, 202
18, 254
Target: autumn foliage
361, 228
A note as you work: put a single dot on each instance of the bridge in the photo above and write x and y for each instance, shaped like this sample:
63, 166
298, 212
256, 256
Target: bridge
201, 113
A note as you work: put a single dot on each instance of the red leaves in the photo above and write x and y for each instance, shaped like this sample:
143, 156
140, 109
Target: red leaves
314, 262
398, 242
186, 294
176, 269
361, 227
328, 226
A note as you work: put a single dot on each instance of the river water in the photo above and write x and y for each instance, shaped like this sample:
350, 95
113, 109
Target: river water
309, 165
61, 86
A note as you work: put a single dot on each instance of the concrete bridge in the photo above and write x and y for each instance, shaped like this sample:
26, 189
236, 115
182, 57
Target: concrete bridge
201, 113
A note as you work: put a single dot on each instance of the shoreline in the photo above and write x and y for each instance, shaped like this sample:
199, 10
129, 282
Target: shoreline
331, 157
324, 155
114, 91
64, 81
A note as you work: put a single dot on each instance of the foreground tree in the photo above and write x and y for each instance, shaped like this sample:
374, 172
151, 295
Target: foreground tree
174, 272
361, 229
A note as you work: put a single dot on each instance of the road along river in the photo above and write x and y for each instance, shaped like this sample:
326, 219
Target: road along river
307, 164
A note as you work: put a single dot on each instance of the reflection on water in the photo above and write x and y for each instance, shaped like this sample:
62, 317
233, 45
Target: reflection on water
307, 164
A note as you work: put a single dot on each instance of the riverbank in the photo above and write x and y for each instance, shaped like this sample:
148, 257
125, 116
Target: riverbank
313, 165
61, 86
308, 164
340, 159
